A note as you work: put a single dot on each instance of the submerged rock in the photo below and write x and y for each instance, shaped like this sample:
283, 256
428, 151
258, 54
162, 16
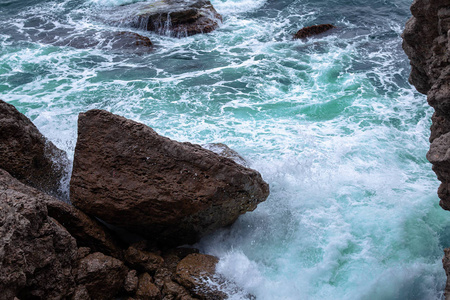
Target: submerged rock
313, 30
123, 41
27, 155
167, 191
37, 254
168, 17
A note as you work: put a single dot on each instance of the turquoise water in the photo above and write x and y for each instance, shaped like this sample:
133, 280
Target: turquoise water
331, 123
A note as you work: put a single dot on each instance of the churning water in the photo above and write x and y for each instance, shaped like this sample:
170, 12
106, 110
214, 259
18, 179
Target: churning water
330, 122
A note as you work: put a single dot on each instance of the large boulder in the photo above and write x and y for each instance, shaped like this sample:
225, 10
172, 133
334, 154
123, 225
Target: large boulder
168, 17
37, 254
127, 175
27, 155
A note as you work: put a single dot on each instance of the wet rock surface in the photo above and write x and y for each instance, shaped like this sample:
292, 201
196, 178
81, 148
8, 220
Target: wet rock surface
167, 191
27, 155
168, 17
313, 30
195, 272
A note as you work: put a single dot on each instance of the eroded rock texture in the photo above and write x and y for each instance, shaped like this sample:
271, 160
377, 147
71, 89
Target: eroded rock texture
426, 42
27, 155
169, 17
37, 254
171, 192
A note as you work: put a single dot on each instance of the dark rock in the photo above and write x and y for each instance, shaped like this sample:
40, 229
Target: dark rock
81, 293
146, 289
194, 273
123, 41
162, 275
103, 276
173, 290
173, 257
143, 260
446, 265
131, 282
27, 155
425, 41
37, 255
168, 17
87, 231
83, 252
165, 190
313, 30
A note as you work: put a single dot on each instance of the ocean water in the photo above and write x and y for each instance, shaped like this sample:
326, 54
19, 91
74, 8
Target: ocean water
331, 123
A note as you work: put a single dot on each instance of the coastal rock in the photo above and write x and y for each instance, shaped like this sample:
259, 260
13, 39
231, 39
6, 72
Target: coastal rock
87, 231
446, 264
131, 282
313, 30
225, 151
195, 272
37, 254
123, 41
168, 17
103, 276
143, 260
167, 191
146, 289
426, 42
27, 155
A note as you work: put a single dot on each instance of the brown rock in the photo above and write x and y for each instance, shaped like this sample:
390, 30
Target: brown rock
147, 290
165, 190
163, 275
313, 30
81, 293
27, 155
131, 282
173, 256
169, 17
87, 231
103, 276
37, 255
194, 272
172, 290
446, 265
143, 260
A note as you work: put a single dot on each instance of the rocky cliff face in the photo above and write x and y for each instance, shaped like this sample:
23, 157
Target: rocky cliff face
426, 42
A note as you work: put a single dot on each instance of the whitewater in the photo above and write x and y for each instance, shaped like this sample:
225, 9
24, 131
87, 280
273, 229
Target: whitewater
331, 123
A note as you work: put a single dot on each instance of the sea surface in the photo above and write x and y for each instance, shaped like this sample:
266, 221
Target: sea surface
331, 123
